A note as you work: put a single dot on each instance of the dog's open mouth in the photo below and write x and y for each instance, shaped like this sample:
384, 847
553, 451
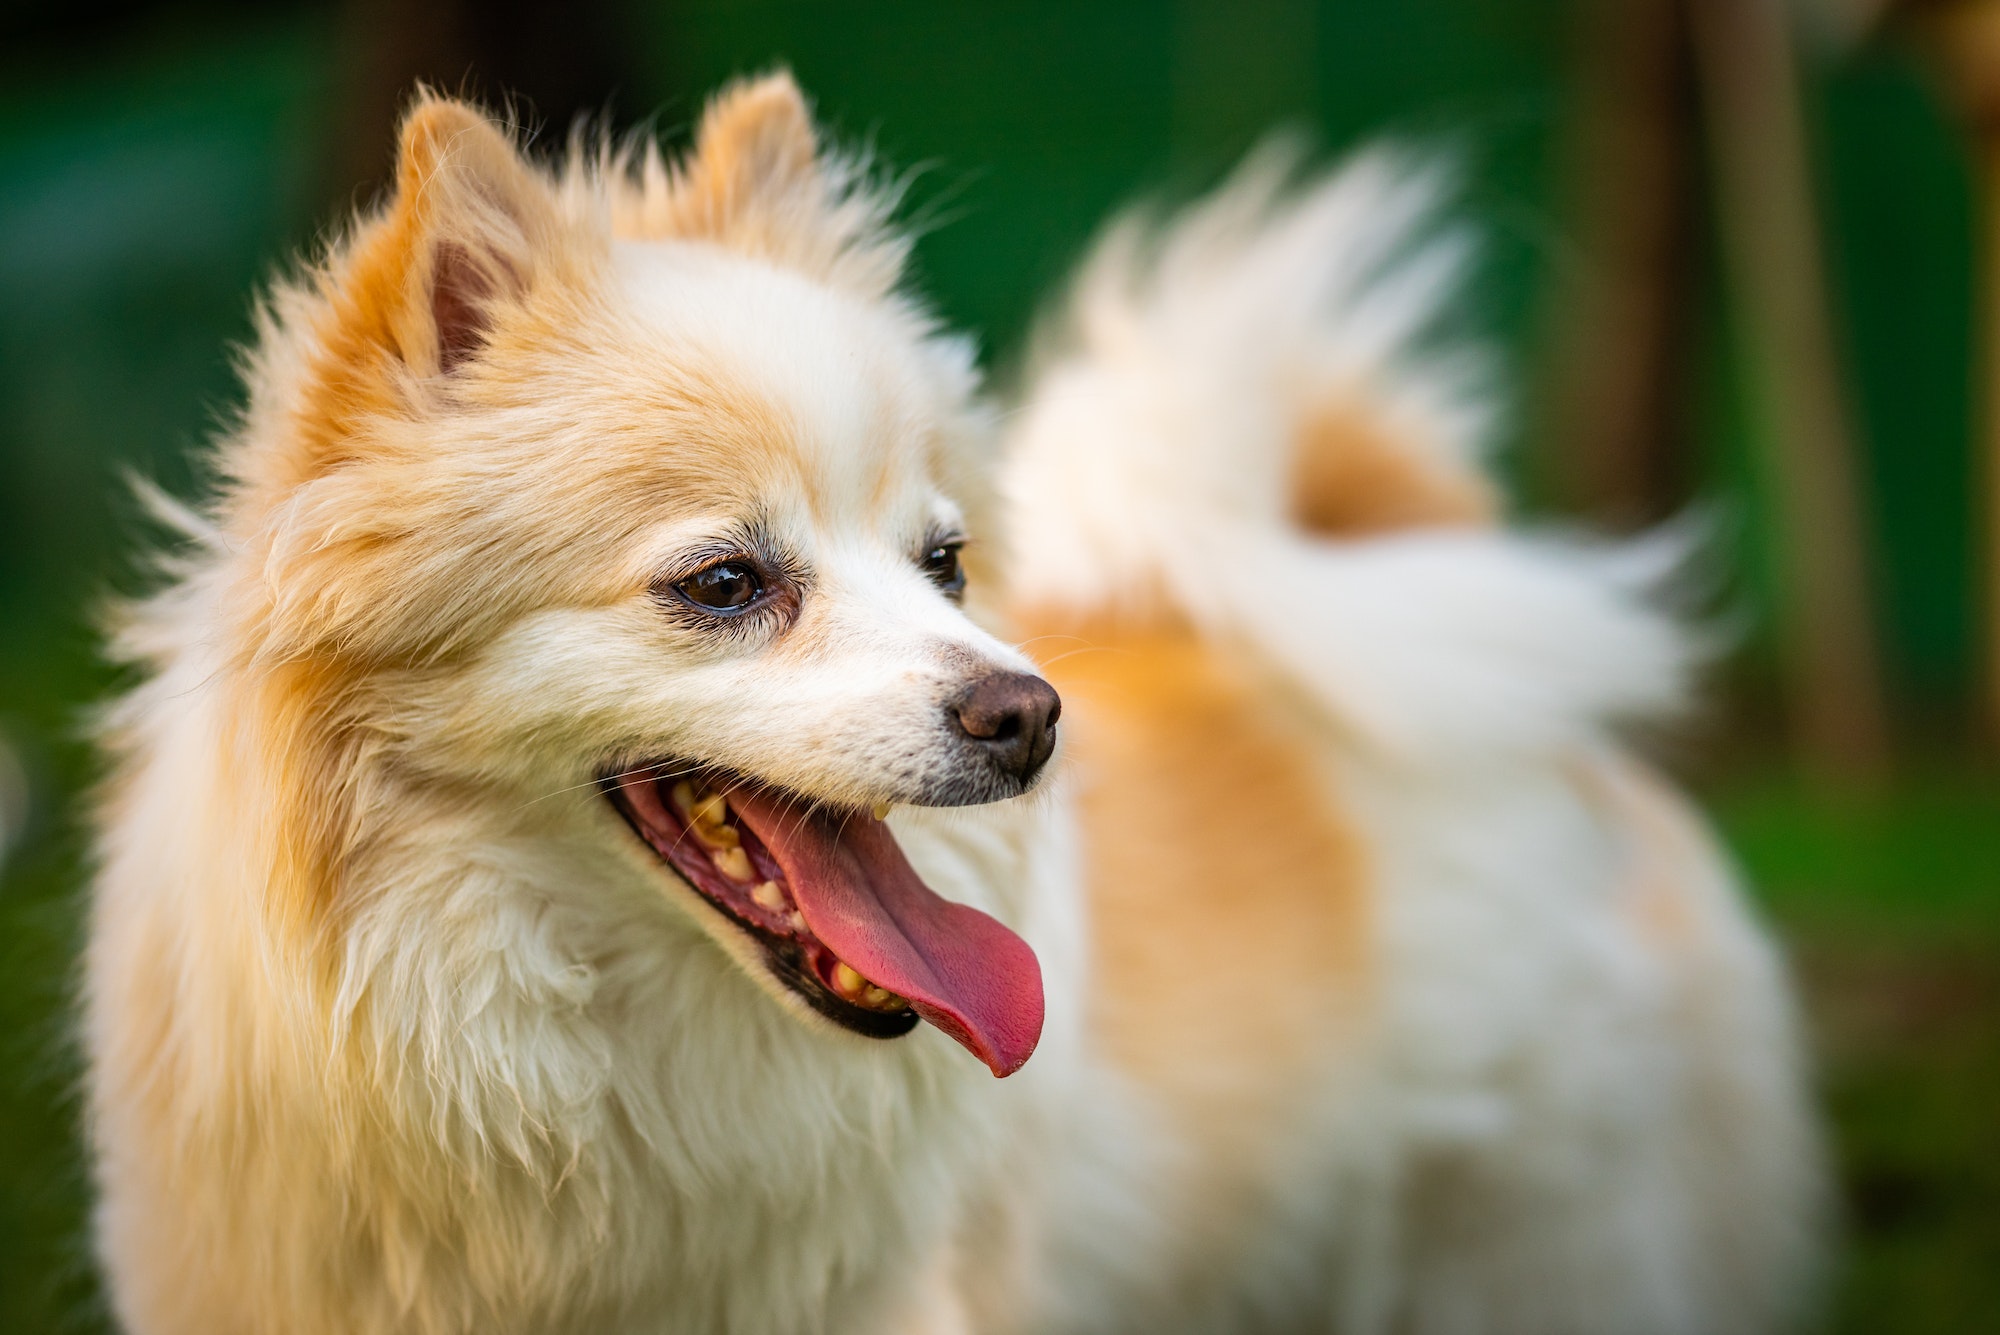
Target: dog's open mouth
842, 918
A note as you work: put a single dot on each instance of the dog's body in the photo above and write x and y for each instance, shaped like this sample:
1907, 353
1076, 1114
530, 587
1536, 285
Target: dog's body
1425, 1006
1382, 991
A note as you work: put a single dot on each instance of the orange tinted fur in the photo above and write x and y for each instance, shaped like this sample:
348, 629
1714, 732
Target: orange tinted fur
1353, 477
1228, 896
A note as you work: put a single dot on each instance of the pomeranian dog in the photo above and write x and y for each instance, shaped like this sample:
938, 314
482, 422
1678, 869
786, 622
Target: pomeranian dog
575, 859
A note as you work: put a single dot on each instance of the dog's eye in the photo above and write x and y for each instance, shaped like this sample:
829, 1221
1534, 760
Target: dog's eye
941, 564
729, 586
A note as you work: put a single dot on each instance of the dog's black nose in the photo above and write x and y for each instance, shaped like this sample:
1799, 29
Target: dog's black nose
1012, 717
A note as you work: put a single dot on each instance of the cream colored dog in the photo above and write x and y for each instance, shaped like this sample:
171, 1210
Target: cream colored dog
572, 863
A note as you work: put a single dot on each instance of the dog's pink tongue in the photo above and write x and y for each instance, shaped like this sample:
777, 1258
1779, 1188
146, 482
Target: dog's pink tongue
961, 970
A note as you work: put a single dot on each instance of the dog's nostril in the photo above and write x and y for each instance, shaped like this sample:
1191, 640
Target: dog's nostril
1012, 715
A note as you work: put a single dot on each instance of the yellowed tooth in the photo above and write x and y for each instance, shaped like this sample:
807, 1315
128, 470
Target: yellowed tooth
733, 863
717, 836
683, 795
881, 811
710, 810
881, 999
797, 921
767, 895
852, 986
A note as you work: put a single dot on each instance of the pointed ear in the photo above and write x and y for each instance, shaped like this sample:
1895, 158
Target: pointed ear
759, 181
756, 147
471, 223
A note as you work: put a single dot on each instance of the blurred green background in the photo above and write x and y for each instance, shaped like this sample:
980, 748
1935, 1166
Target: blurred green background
158, 162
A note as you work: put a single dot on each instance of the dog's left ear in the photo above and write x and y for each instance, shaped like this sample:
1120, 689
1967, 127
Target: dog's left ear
756, 153
760, 181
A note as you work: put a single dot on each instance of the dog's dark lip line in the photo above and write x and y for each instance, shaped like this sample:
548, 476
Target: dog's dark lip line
781, 955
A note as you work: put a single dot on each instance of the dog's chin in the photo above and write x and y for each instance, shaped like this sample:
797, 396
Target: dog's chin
976, 786
750, 913
820, 905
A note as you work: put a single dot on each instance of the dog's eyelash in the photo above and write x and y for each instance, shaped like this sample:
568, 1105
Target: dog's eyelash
780, 573
944, 537
777, 610
939, 558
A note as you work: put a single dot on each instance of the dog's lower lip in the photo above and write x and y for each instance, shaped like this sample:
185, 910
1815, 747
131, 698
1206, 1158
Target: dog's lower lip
724, 862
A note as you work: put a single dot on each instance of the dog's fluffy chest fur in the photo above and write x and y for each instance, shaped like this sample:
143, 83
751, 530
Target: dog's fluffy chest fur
525, 1099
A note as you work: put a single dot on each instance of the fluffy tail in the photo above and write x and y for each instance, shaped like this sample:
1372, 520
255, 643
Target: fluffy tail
1249, 420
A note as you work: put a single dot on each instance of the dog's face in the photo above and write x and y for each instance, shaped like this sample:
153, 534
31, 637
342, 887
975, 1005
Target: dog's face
786, 597
618, 481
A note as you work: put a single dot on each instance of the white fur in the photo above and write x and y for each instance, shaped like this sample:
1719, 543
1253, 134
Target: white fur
1554, 1121
1152, 453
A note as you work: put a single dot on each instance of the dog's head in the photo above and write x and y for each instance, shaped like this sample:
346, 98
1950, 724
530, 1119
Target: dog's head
645, 475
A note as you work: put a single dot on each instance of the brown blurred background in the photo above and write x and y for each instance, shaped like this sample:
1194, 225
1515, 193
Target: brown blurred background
1744, 255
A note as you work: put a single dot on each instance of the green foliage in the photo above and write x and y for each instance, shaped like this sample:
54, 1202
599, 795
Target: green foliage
1893, 905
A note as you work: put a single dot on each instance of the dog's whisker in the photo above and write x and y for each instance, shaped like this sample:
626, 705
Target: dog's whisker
1087, 649
612, 778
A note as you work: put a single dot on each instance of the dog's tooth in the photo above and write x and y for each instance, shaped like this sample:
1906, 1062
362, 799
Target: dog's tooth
733, 863
711, 810
881, 999
684, 798
796, 921
847, 982
881, 811
767, 895
717, 836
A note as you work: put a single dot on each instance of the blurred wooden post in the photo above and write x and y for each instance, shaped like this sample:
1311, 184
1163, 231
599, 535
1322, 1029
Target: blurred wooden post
1962, 38
1617, 442
1776, 275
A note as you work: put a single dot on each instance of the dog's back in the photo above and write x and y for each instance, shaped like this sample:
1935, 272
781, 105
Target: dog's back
1423, 1006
